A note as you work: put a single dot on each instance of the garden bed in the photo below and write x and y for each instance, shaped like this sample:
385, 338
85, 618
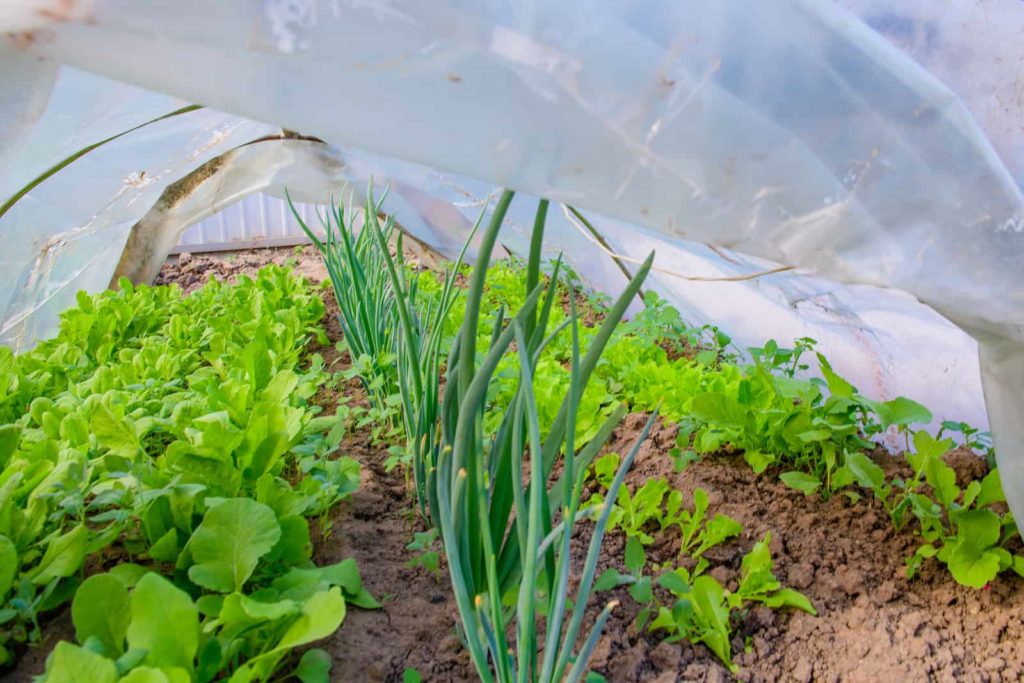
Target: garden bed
873, 623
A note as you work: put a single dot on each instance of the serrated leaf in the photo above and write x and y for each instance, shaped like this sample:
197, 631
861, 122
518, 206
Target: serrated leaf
928, 447
709, 603
229, 542
718, 529
674, 582
942, 479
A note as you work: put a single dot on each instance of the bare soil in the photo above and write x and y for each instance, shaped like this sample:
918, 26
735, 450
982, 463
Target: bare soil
872, 624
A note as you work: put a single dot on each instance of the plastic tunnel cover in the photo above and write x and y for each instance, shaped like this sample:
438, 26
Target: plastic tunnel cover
791, 131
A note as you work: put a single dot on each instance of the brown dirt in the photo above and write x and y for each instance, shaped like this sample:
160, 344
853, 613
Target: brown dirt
191, 271
415, 628
873, 624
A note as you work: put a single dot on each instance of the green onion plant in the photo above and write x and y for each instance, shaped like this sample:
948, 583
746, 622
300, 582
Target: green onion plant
491, 495
505, 519
362, 288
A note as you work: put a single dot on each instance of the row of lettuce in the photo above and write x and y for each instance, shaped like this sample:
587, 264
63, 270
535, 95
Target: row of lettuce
161, 464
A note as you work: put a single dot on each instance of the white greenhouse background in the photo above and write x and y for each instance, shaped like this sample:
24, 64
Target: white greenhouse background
258, 220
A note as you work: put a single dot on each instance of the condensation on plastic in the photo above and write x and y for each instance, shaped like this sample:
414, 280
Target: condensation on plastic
789, 131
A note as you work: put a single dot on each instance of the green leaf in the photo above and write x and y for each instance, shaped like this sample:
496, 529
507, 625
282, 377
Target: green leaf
800, 481
345, 574
321, 616
991, 490
709, 603
411, 676
129, 573
718, 529
973, 567
146, 674
636, 558
757, 578
129, 660
229, 542
674, 582
975, 560
315, 667
928, 447
166, 547
838, 386
113, 433
787, 597
641, 590
294, 548
72, 664
164, 622
63, 557
258, 364
10, 435
719, 408
8, 565
759, 461
609, 578
979, 527
942, 479
214, 434
902, 412
867, 473
101, 610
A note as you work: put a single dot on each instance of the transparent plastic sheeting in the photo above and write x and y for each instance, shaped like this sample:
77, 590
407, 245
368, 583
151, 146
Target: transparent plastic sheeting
872, 153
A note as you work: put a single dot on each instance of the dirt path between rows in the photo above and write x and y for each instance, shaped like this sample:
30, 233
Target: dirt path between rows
873, 624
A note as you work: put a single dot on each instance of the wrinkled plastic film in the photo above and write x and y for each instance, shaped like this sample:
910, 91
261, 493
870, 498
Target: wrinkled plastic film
792, 132
68, 233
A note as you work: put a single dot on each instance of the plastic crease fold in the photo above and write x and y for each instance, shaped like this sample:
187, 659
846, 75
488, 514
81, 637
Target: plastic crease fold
870, 143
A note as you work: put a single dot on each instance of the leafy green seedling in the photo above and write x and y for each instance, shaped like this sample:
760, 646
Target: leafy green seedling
426, 557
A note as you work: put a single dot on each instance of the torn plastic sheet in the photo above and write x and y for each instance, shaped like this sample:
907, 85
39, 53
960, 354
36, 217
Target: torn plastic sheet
789, 131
